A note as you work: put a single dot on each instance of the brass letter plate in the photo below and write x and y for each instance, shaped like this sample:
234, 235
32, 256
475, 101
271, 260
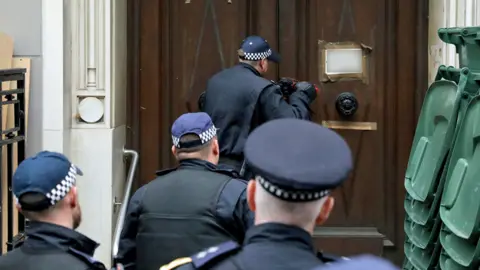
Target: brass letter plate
350, 125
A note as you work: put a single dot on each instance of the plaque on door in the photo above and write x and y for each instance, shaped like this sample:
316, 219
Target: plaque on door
343, 61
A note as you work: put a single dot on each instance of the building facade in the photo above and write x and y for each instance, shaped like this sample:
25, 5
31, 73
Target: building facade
79, 96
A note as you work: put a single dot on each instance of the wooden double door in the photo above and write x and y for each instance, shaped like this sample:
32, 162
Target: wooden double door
176, 45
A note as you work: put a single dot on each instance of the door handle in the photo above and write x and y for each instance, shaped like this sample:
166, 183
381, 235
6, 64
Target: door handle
124, 203
346, 104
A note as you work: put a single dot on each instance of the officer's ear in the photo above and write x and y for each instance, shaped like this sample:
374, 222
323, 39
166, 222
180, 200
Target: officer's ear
72, 198
174, 150
251, 189
263, 64
325, 211
215, 147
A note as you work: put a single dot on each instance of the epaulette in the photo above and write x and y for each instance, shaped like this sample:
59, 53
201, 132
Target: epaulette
176, 263
163, 172
214, 253
230, 172
86, 258
225, 169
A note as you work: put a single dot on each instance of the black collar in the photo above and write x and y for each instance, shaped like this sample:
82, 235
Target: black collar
198, 164
280, 233
252, 69
48, 235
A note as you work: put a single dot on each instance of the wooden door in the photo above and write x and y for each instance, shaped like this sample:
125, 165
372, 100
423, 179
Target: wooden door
176, 45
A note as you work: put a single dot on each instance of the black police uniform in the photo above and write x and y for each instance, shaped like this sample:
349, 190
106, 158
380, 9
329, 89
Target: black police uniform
47, 245
238, 99
185, 209
295, 161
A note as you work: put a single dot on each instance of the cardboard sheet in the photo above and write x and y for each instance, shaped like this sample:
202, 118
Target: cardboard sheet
6, 55
323, 46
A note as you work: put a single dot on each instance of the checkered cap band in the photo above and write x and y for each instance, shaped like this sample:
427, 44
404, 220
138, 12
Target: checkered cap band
287, 195
176, 141
205, 136
257, 56
61, 190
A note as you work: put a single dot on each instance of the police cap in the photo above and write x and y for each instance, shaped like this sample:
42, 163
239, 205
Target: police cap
199, 124
297, 160
255, 48
47, 173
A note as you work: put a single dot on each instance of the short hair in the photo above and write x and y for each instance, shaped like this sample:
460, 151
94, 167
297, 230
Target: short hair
275, 209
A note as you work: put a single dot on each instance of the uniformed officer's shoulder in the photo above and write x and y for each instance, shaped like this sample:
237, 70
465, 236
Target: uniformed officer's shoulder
235, 187
11, 258
262, 82
225, 170
92, 262
270, 88
204, 258
330, 258
240, 181
164, 172
214, 253
271, 84
364, 262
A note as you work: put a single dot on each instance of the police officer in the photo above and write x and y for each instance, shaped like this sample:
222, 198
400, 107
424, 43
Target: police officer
239, 99
296, 164
188, 208
44, 186
364, 262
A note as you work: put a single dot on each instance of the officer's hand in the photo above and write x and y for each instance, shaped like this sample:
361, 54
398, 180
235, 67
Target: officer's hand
119, 266
307, 88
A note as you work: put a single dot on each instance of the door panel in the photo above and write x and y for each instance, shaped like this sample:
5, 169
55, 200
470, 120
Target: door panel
203, 39
358, 210
176, 46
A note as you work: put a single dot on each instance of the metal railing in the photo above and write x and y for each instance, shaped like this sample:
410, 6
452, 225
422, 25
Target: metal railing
9, 137
124, 205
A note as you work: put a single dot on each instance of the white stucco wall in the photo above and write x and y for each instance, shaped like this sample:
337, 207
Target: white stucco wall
80, 60
448, 13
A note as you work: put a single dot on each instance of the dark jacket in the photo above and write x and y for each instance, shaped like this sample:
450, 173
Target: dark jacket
49, 246
267, 246
238, 100
181, 212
